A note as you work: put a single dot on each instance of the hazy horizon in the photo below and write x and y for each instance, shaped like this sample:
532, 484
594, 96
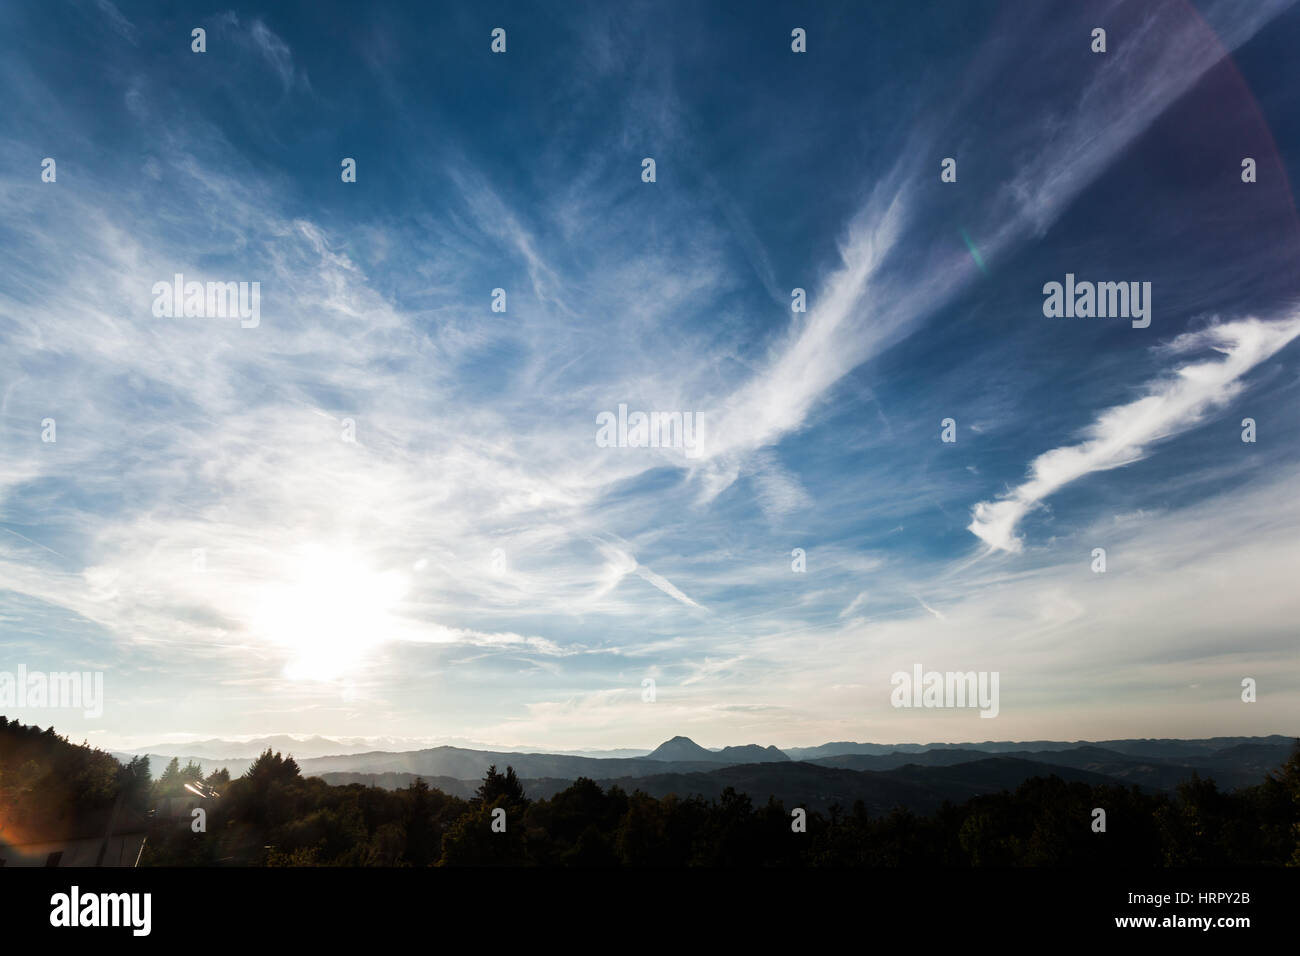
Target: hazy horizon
432, 742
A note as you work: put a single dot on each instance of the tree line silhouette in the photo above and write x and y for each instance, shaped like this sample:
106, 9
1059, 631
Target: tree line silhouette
274, 816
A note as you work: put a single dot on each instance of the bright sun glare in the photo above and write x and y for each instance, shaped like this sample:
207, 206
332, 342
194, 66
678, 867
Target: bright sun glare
329, 613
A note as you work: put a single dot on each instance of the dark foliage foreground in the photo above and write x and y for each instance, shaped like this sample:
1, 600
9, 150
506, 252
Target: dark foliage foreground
274, 816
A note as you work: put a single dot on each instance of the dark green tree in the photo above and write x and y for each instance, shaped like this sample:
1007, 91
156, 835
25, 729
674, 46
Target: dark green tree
496, 785
171, 783
219, 778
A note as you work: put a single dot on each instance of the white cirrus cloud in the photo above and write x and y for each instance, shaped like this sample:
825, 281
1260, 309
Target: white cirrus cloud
1125, 433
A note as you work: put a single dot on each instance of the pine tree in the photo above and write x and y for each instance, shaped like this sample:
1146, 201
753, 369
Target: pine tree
171, 782
496, 785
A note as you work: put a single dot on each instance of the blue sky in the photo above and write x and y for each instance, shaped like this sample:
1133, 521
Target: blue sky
474, 566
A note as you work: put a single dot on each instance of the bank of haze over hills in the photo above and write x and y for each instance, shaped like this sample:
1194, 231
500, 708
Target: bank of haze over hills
678, 754
915, 776
320, 755
301, 747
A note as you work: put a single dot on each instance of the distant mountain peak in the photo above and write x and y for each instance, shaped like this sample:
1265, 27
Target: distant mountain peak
681, 748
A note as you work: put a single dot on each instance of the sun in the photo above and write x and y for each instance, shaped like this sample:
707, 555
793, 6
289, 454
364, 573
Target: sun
331, 609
